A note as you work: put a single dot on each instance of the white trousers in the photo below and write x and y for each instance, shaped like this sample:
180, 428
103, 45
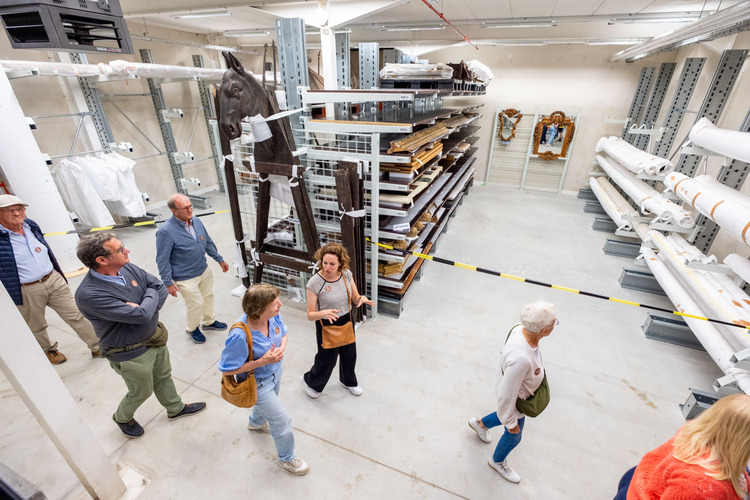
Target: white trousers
198, 293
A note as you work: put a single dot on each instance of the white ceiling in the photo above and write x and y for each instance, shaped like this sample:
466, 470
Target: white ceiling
577, 21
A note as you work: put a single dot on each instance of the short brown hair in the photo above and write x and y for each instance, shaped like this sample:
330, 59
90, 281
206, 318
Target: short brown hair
336, 249
257, 298
91, 247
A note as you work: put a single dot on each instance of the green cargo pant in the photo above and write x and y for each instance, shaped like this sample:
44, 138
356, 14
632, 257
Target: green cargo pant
149, 373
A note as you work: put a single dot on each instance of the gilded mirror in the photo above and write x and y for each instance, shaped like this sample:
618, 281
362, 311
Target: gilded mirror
508, 119
552, 136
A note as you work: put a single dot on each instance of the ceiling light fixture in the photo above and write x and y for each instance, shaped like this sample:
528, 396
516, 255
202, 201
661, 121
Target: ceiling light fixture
205, 13
731, 20
238, 33
522, 25
412, 28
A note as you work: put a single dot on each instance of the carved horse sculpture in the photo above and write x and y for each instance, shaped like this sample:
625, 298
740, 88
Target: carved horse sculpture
241, 95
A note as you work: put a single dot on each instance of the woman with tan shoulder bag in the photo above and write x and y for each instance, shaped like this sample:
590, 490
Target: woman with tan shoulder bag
330, 295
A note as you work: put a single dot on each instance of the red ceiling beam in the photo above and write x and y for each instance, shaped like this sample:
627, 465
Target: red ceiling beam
440, 14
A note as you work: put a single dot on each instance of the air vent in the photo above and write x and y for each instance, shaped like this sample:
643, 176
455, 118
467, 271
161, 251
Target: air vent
72, 25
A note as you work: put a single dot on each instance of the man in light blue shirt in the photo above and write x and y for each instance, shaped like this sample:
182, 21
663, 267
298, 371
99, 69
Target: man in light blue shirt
34, 280
182, 243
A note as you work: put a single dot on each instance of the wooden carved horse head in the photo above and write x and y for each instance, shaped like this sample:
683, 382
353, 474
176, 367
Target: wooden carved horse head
241, 95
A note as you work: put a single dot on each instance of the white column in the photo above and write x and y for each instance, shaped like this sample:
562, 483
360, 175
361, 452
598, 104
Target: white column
328, 56
37, 383
29, 177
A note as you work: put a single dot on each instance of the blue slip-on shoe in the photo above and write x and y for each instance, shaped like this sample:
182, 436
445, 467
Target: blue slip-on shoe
197, 336
216, 325
189, 409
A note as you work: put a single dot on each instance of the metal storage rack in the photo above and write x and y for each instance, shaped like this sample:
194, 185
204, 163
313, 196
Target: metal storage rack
364, 137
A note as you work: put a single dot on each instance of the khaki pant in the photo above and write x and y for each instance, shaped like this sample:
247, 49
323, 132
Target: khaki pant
56, 294
199, 299
149, 373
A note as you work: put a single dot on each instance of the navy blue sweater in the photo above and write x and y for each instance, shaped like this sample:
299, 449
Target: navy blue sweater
8, 268
116, 323
179, 256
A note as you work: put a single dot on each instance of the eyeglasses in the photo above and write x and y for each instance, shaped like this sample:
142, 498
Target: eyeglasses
119, 250
188, 207
11, 210
557, 322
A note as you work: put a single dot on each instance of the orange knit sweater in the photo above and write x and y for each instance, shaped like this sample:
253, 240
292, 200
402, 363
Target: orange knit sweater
661, 476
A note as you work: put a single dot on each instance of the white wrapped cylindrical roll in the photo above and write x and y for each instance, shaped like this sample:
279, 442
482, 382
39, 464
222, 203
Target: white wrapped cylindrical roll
740, 265
728, 212
632, 158
608, 204
707, 334
53, 68
648, 199
691, 253
708, 294
731, 143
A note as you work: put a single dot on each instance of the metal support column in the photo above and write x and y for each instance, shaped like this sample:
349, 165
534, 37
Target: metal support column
157, 96
207, 105
680, 100
290, 35
732, 175
369, 65
639, 100
621, 248
716, 98
343, 70
94, 103
655, 102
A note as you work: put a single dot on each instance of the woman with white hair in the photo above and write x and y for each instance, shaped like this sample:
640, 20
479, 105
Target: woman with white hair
521, 384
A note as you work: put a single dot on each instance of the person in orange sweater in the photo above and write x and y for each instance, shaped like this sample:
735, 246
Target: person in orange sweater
706, 460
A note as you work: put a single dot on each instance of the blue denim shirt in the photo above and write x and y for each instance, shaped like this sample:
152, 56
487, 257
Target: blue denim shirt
235, 352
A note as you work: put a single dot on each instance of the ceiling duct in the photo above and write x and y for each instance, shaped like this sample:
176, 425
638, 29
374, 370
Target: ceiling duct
70, 25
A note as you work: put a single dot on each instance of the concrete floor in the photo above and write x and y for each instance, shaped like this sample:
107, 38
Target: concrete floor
615, 394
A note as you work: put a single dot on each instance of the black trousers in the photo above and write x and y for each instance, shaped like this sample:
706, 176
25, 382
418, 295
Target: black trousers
325, 360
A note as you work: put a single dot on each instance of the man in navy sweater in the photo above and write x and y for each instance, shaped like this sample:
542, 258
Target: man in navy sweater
122, 301
182, 243
34, 280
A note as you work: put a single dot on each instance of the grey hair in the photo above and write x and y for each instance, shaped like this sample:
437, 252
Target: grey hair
172, 201
91, 247
537, 315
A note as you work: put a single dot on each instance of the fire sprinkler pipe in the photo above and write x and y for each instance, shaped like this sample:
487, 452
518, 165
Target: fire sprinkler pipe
707, 334
440, 14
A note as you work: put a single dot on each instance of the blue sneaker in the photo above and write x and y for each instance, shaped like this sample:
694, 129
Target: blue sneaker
216, 325
197, 336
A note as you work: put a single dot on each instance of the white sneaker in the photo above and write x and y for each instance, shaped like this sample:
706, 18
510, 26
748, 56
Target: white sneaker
504, 470
356, 390
261, 428
308, 390
482, 432
295, 466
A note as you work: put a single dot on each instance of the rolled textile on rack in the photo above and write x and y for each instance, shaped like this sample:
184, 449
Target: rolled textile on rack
731, 143
79, 195
725, 190
707, 334
608, 204
735, 293
726, 211
648, 199
632, 158
627, 210
53, 69
707, 293
740, 265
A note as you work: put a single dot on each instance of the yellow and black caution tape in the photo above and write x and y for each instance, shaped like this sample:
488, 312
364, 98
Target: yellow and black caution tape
120, 226
556, 287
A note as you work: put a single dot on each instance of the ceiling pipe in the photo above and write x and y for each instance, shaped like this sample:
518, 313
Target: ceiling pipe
466, 39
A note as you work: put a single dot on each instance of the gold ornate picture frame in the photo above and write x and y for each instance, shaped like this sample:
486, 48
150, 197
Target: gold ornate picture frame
564, 129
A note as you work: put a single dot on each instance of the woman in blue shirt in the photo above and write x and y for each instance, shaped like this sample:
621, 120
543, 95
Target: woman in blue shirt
262, 319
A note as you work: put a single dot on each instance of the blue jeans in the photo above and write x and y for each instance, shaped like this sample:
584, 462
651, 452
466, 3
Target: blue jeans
269, 409
508, 441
